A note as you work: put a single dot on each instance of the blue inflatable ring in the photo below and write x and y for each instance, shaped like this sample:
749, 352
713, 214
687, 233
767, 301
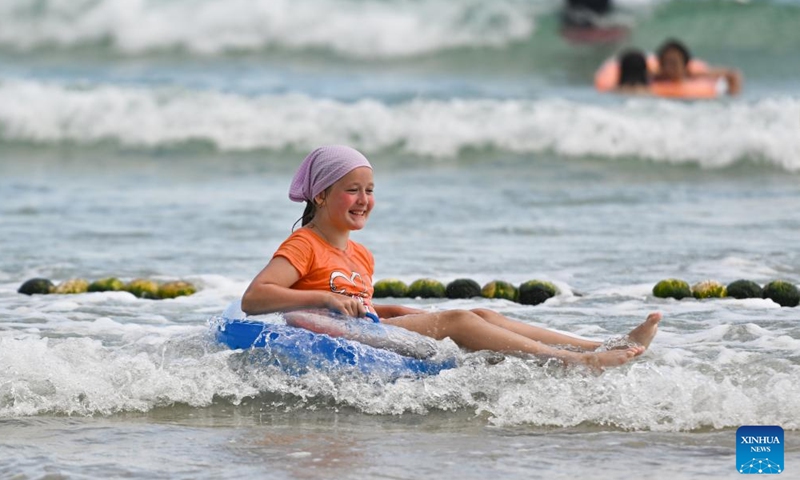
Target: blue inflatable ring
296, 350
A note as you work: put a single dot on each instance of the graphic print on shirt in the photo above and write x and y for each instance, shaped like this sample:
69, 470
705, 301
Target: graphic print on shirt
340, 282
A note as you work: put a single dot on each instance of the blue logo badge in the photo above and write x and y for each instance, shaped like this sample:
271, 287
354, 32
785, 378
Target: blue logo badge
759, 449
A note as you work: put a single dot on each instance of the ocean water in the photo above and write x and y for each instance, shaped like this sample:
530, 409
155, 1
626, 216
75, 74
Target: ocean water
157, 139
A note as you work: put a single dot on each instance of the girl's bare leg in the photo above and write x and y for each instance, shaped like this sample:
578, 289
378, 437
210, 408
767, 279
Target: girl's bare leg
550, 337
642, 334
468, 330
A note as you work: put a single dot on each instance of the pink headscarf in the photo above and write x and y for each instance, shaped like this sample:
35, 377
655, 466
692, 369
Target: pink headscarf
322, 168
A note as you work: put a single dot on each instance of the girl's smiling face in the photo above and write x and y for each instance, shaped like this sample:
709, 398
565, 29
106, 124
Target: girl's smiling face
349, 201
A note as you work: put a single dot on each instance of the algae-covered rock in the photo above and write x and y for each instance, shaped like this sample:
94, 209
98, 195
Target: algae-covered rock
176, 289
35, 286
389, 287
463, 288
500, 289
672, 288
73, 285
426, 288
110, 284
745, 289
709, 289
783, 293
143, 288
534, 292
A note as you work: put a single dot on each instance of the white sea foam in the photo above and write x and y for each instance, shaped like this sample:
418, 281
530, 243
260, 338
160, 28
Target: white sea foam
708, 134
353, 28
82, 376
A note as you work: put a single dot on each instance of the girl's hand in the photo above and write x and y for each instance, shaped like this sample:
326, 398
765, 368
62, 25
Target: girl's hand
343, 304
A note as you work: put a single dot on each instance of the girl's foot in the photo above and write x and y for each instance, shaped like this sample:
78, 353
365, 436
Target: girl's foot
644, 333
610, 358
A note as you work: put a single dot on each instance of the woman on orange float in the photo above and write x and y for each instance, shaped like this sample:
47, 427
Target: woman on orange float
673, 74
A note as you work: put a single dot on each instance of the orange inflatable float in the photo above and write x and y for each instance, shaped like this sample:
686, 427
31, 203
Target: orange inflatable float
606, 79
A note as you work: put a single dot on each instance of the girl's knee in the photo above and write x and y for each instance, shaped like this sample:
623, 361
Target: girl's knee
462, 326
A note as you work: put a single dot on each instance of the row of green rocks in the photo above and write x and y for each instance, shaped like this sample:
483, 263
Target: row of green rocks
532, 292
781, 292
140, 287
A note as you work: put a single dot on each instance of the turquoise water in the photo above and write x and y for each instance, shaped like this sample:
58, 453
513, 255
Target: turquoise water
158, 139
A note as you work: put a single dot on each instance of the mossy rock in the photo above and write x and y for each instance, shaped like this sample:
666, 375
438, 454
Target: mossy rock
534, 292
500, 289
142, 288
783, 293
34, 286
672, 288
426, 288
389, 287
73, 285
745, 289
110, 284
709, 289
175, 289
463, 288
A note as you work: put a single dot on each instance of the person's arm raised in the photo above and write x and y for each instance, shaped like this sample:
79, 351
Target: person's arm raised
271, 292
732, 76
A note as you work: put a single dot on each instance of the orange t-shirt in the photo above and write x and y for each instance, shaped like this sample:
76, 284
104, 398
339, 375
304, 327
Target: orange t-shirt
324, 267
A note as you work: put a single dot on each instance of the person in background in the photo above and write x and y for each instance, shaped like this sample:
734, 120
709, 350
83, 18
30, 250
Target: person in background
634, 78
584, 13
674, 66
